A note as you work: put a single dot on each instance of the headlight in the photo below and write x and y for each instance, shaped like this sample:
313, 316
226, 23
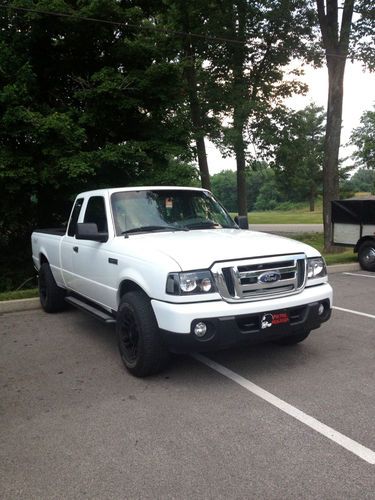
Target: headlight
190, 283
316, 268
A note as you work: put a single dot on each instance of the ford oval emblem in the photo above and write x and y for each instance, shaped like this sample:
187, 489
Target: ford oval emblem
270, 277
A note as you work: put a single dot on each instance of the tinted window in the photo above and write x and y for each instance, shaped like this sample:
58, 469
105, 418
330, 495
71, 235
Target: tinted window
95, 213
74, 217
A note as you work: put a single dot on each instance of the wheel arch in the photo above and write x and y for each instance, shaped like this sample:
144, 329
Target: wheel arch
128, 285
43, 259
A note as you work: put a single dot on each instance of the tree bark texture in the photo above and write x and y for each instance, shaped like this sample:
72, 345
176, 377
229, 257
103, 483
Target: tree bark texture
240, 91
195, 107
336, 44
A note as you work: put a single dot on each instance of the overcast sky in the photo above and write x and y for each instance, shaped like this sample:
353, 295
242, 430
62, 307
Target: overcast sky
359, 96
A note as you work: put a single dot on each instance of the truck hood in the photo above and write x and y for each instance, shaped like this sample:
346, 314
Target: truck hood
199, 249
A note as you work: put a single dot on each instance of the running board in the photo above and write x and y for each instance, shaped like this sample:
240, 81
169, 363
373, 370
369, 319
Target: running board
94, 311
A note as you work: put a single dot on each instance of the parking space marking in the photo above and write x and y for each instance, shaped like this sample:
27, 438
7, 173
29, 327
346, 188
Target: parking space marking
354, 312
349, 444
359, 274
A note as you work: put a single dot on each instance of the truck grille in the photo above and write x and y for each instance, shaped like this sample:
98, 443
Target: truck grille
260, 278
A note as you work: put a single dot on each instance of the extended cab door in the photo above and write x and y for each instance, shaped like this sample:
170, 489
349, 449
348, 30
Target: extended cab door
69, 246
92, 277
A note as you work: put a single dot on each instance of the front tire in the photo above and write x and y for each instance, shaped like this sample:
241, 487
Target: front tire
141, 348
293, 339
52, 297
366, 256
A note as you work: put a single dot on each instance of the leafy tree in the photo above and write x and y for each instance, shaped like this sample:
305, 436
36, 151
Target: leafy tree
83, 105
299, 153
340, 38
224, 187
363, 138
361, 181
259, 179
250, 70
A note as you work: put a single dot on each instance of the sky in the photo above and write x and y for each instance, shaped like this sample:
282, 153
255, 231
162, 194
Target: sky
359, 96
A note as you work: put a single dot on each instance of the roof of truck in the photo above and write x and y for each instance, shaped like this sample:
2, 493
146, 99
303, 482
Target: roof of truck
139, 188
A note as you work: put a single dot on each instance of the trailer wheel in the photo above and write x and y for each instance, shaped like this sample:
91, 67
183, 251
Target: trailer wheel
141, 348
366, 255
52, 297
293, 339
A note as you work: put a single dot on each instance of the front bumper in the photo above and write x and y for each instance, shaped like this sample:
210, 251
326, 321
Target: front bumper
231, 324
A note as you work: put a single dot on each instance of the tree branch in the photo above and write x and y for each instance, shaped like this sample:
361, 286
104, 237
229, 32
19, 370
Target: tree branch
346, 23
323, 22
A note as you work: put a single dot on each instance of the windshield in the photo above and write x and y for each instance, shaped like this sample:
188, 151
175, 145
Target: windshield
172, 210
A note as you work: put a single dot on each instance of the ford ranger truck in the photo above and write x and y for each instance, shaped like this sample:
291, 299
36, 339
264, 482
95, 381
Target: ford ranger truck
175, 273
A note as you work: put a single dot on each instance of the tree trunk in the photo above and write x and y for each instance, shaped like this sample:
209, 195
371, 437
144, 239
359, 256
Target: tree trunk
336, 45
240, 92
336, 68
195, 107
196, 120
241, 176
312, 198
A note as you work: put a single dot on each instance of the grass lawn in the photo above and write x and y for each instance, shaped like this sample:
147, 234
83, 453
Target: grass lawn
19, 294
300, 215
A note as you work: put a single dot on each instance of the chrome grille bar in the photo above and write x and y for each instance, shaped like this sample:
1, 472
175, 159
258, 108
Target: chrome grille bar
263, 277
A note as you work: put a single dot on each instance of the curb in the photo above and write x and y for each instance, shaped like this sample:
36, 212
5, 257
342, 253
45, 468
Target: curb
342, 268
8, 306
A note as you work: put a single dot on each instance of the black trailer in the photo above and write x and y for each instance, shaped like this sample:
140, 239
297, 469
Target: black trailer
353, 224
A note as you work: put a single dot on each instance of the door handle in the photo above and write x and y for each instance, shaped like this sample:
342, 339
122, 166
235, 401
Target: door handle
75, 249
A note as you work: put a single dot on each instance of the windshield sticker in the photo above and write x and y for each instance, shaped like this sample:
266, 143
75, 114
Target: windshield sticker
169, 203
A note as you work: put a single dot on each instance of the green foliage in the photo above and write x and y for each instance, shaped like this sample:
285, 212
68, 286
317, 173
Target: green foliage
361, 181
363, 138
260, 185
83, 105
19, 294
298, 151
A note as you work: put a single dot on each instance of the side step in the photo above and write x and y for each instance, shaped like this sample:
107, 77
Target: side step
94, 311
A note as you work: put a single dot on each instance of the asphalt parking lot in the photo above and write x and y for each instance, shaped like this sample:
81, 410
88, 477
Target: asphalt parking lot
74, 424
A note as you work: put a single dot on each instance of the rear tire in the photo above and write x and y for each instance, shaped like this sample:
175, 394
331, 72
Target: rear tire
141, 348
52, 297
366, 256
292, 339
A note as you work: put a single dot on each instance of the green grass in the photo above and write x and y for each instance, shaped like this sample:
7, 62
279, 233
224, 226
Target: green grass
19, 294
344, 256
300, 215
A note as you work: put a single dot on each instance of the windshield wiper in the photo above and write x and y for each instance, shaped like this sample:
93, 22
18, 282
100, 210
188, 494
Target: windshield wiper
146, 229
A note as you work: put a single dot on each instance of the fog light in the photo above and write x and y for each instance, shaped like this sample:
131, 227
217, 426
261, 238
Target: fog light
321, 309
200, 329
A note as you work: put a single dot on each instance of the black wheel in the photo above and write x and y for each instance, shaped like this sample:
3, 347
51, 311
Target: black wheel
366, 256
51, 296
140, 345
292, 339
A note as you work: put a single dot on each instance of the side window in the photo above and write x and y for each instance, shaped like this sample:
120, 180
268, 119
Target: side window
95, 213
74, 217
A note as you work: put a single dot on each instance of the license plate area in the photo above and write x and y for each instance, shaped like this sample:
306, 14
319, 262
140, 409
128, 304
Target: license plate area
274, 319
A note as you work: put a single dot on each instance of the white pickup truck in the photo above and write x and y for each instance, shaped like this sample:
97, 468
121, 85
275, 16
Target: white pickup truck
175, 273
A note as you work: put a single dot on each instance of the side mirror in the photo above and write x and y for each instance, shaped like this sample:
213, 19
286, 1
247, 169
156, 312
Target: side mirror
242, 221
89, 231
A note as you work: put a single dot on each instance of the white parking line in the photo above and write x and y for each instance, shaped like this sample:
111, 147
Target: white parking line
354, 312
359, 274
349, 444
